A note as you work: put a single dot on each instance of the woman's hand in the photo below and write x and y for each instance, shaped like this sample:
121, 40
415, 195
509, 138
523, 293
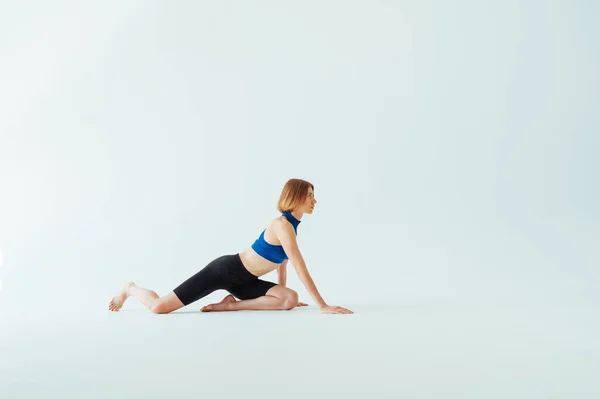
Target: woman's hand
301, 304
336, 310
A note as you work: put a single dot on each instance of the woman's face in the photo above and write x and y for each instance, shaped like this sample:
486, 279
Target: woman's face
310, 201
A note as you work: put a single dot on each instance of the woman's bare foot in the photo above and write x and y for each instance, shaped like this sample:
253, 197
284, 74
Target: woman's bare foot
118, 300
215, 307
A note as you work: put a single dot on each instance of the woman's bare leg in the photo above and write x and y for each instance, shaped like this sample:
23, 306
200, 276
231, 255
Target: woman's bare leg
147, 297
277, 298
119, 299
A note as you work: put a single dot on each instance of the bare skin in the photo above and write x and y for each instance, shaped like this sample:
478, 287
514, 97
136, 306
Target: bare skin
147, 297
219, 306
119, 299
278, 232
229, 303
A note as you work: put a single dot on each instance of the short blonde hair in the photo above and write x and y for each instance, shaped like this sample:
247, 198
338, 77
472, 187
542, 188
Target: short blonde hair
293, 194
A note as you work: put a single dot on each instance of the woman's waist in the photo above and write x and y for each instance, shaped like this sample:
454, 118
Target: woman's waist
255, 263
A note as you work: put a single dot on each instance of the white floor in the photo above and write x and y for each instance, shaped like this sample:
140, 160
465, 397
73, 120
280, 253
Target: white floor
383, 350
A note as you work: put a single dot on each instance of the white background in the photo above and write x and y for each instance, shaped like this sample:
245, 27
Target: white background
452, 145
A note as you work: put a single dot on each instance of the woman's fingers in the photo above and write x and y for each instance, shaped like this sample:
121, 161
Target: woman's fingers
336, 310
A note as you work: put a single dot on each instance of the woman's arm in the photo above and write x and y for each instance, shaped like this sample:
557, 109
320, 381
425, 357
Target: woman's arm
281, 278
287, 237
282, 273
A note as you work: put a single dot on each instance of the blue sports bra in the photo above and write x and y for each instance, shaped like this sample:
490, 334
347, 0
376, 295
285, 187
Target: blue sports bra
274, 253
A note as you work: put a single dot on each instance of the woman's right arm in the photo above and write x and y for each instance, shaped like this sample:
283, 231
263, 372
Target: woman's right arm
287, 237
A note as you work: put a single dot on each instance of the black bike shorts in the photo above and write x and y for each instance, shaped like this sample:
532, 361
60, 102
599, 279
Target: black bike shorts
227, 273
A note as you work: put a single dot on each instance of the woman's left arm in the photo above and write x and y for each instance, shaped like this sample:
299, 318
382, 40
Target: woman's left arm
282, 273
281, 278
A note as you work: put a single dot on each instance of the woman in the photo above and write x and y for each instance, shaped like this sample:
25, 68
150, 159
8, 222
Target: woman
239, 274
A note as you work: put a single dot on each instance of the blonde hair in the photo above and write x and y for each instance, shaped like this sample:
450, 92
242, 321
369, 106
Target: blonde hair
293, 194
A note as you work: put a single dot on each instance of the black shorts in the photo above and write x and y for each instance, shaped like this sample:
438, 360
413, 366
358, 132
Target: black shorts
224, 273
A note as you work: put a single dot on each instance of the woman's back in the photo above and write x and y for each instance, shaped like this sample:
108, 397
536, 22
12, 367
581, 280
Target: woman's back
257, 264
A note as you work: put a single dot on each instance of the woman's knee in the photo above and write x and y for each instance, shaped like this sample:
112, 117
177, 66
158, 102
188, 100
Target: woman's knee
166, 304
289, 300
158, 307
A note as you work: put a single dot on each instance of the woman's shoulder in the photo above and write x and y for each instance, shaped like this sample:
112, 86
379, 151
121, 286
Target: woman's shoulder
279, 223
275, 228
